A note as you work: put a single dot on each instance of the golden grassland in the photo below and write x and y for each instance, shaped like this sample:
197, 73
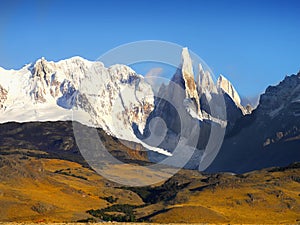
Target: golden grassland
36, 192
264, 198
56, 190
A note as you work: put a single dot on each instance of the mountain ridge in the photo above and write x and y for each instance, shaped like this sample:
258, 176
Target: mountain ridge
269, 136
123, 104
47, 90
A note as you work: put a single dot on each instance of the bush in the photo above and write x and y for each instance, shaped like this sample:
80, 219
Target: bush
125, 209
110, 199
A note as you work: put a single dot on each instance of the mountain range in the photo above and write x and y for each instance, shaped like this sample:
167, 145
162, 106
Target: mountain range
249, 156
123, 104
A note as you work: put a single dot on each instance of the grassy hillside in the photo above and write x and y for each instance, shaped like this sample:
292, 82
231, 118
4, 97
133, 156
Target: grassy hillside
41, 189
257, 197
36, 187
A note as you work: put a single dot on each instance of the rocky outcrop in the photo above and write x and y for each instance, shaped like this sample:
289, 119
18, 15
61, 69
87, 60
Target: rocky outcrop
279, 98
248, 109
232, 99
225, 85
3, 96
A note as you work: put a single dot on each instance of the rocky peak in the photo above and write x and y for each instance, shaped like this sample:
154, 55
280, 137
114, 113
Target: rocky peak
205, 82
285, 95
41, 76
189, 80
225, 85
41, 69
123, 73
248, 109
49, 78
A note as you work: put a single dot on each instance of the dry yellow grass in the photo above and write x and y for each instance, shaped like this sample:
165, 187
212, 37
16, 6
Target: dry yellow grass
39, 194
55, 190
255, 201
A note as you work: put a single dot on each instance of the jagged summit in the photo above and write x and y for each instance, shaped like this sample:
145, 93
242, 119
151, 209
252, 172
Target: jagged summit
280, 98
71, 59
270, 136
224, 84
205, 81
189, 80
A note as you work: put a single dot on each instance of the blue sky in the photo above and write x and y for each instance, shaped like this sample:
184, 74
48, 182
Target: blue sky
253, 43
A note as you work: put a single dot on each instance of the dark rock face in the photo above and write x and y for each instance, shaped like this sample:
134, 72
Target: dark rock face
57, 139
233, 112
170, 107
179, 113
278, 98
270, 136
177, 105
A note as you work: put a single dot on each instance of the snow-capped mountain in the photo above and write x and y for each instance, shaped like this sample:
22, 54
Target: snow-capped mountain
116, 99
111, 98
123, 104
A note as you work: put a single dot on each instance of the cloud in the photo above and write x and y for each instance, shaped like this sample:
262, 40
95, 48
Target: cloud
152, 77
154, 72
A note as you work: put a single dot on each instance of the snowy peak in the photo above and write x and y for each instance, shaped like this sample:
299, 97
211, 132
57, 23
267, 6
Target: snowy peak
123, 73
42, 79
48, 79
225, 85
189, 80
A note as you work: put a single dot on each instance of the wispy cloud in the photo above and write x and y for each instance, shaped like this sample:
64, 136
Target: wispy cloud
152, 77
